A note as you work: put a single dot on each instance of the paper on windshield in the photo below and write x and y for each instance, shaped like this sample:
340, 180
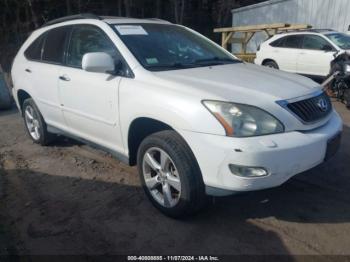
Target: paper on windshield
152, 61
131, 30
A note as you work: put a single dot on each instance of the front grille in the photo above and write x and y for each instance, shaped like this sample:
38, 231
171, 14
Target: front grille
312, 109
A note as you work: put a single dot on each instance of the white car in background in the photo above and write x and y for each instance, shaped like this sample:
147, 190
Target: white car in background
304, 52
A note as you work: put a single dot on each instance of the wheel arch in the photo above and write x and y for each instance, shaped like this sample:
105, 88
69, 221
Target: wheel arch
22, 95
139, 129
266, 60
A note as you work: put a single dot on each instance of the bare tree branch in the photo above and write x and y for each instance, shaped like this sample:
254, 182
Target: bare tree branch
34, 16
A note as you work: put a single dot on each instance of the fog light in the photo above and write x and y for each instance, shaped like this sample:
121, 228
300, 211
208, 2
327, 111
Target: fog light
244, 171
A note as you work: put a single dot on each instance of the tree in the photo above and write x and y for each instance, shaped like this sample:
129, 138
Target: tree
68, 7
223, 11
158, 8
34, 15
127, 4
179, 10
19, 17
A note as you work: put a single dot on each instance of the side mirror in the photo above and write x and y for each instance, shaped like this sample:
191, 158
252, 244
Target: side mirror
327, 48
98, 63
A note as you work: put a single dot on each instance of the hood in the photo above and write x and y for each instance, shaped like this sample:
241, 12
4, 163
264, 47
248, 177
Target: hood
242, 80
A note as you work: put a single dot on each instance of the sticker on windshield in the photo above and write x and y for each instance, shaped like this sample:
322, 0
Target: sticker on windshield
131, 30
152, 61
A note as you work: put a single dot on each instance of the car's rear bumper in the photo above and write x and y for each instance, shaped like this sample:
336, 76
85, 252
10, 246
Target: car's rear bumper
15, 97
282, 155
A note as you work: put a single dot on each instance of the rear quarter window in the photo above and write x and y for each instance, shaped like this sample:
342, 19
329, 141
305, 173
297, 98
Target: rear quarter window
34, 51
291, 41
278, 42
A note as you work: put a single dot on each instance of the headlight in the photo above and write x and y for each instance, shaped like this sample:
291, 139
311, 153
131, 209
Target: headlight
347, 69
244, 120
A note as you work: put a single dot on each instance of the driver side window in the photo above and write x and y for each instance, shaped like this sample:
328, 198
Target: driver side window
88, 39
314, 42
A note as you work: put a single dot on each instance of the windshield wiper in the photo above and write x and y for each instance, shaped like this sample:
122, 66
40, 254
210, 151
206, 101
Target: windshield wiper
171, 66
217, 61
196, 63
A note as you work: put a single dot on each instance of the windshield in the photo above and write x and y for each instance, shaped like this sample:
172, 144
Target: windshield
161, 47
341, 40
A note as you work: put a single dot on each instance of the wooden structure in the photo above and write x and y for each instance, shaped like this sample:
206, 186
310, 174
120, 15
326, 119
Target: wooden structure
247, 33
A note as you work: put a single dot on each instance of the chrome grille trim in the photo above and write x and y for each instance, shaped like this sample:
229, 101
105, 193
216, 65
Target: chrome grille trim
309, 109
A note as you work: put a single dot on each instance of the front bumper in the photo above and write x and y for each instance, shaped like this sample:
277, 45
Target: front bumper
282, 155
257, 61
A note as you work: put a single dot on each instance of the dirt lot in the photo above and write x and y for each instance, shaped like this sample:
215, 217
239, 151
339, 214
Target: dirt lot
72, 199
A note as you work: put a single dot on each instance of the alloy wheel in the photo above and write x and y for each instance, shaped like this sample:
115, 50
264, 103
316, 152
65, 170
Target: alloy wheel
32, 122
161, 177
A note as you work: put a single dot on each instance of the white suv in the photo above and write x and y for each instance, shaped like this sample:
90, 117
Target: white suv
194, 119
306, 52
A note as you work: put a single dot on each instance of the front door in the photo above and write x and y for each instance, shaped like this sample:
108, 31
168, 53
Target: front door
315, 56
90, 100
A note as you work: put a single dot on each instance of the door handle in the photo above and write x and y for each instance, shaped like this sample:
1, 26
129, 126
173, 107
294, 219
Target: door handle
28, 70
64, 78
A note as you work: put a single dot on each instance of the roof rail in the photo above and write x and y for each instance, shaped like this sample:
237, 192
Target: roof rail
319, 30
72, 17
323, 30
306, 30
157, 19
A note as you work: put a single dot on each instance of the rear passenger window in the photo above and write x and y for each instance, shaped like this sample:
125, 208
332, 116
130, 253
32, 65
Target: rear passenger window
33, 52
293, 41
54, 45
88, 39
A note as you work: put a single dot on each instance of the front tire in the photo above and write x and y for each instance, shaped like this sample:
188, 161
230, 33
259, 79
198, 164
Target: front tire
35, 124
170, 175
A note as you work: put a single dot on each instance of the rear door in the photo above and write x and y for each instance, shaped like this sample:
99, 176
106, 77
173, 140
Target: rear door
315, 56
45, 57
90, 100
287, 52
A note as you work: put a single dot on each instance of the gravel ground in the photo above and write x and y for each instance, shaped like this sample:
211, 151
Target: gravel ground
71, 199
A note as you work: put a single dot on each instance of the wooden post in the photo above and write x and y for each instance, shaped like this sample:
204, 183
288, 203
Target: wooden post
223, 38
226, 38
244, 44
246, 39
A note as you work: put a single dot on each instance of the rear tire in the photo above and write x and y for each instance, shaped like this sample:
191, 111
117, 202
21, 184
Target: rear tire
170, 175
35, 124
271, 64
